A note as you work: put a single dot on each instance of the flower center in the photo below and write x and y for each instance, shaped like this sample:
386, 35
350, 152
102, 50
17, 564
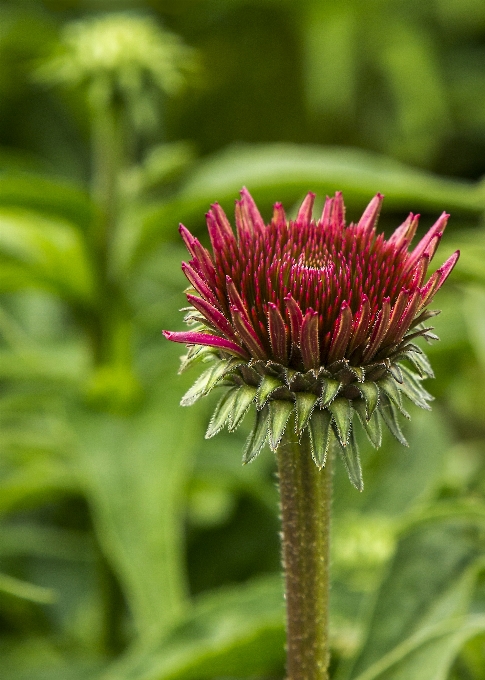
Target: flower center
314, 262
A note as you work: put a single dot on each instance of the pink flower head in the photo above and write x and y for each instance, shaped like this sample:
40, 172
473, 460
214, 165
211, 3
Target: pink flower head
307, 293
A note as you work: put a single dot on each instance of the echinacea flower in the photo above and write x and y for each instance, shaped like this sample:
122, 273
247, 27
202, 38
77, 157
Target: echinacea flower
311, 319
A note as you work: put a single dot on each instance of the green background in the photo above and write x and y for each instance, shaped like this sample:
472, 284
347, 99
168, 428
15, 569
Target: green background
130, 547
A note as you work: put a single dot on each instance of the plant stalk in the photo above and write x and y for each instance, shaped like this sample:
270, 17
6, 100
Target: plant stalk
305, 497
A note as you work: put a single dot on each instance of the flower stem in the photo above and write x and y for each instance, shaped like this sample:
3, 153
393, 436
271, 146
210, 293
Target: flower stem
305, 496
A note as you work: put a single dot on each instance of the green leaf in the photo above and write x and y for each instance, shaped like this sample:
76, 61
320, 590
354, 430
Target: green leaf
235, 632
430, 582
50, 197
319, 427
280, 411
41, 252
370, 392
330, 389
134, 471
289, 169
351, 458
305, 403
341, 411
26, 591
222, 413
244, 398
268, 385
257, 438
429, 653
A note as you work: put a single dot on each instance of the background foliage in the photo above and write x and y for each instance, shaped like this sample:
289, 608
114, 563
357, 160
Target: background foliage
130, 548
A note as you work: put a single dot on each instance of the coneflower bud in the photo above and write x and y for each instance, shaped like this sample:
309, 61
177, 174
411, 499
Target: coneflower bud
313, 319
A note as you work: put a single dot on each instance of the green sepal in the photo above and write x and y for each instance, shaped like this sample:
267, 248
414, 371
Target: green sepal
359, 373
244, 398
279, 412
220, 370
330, 389
268, 385
421, 363
414, 391
370, 392
390, 416
341, 411
195, 354
371, 426
198, 389
305, 403
209, 379
396, 373
351, 458
389, 387
257, 438
222, 413
319, 427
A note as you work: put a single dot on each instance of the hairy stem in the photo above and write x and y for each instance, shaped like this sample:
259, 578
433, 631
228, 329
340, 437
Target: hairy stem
305, 496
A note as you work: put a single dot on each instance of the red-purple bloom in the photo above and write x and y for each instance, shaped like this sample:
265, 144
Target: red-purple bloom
307, 293
311, 319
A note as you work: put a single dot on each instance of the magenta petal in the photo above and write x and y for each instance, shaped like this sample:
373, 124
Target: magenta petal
338, 212
248, 217
279, 216
327, 211
380, 330
213, 316
247, 334
235, 299
220, 232
309, 340
197, 338
360, 328
305, 212
277, 334
396, 315
199, 253
188, 239
370, 215
199, 284
341, 335
438, 279
437, 229
404, 234
296, 318
415, 303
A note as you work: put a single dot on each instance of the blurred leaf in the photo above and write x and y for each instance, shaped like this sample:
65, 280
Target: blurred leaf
429, 654
26, 591
35, 482
430, 581
285, 172
162, 164
47, 253
410, 63
51, 197
236, 632
134, 471
65, 363
330, 42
